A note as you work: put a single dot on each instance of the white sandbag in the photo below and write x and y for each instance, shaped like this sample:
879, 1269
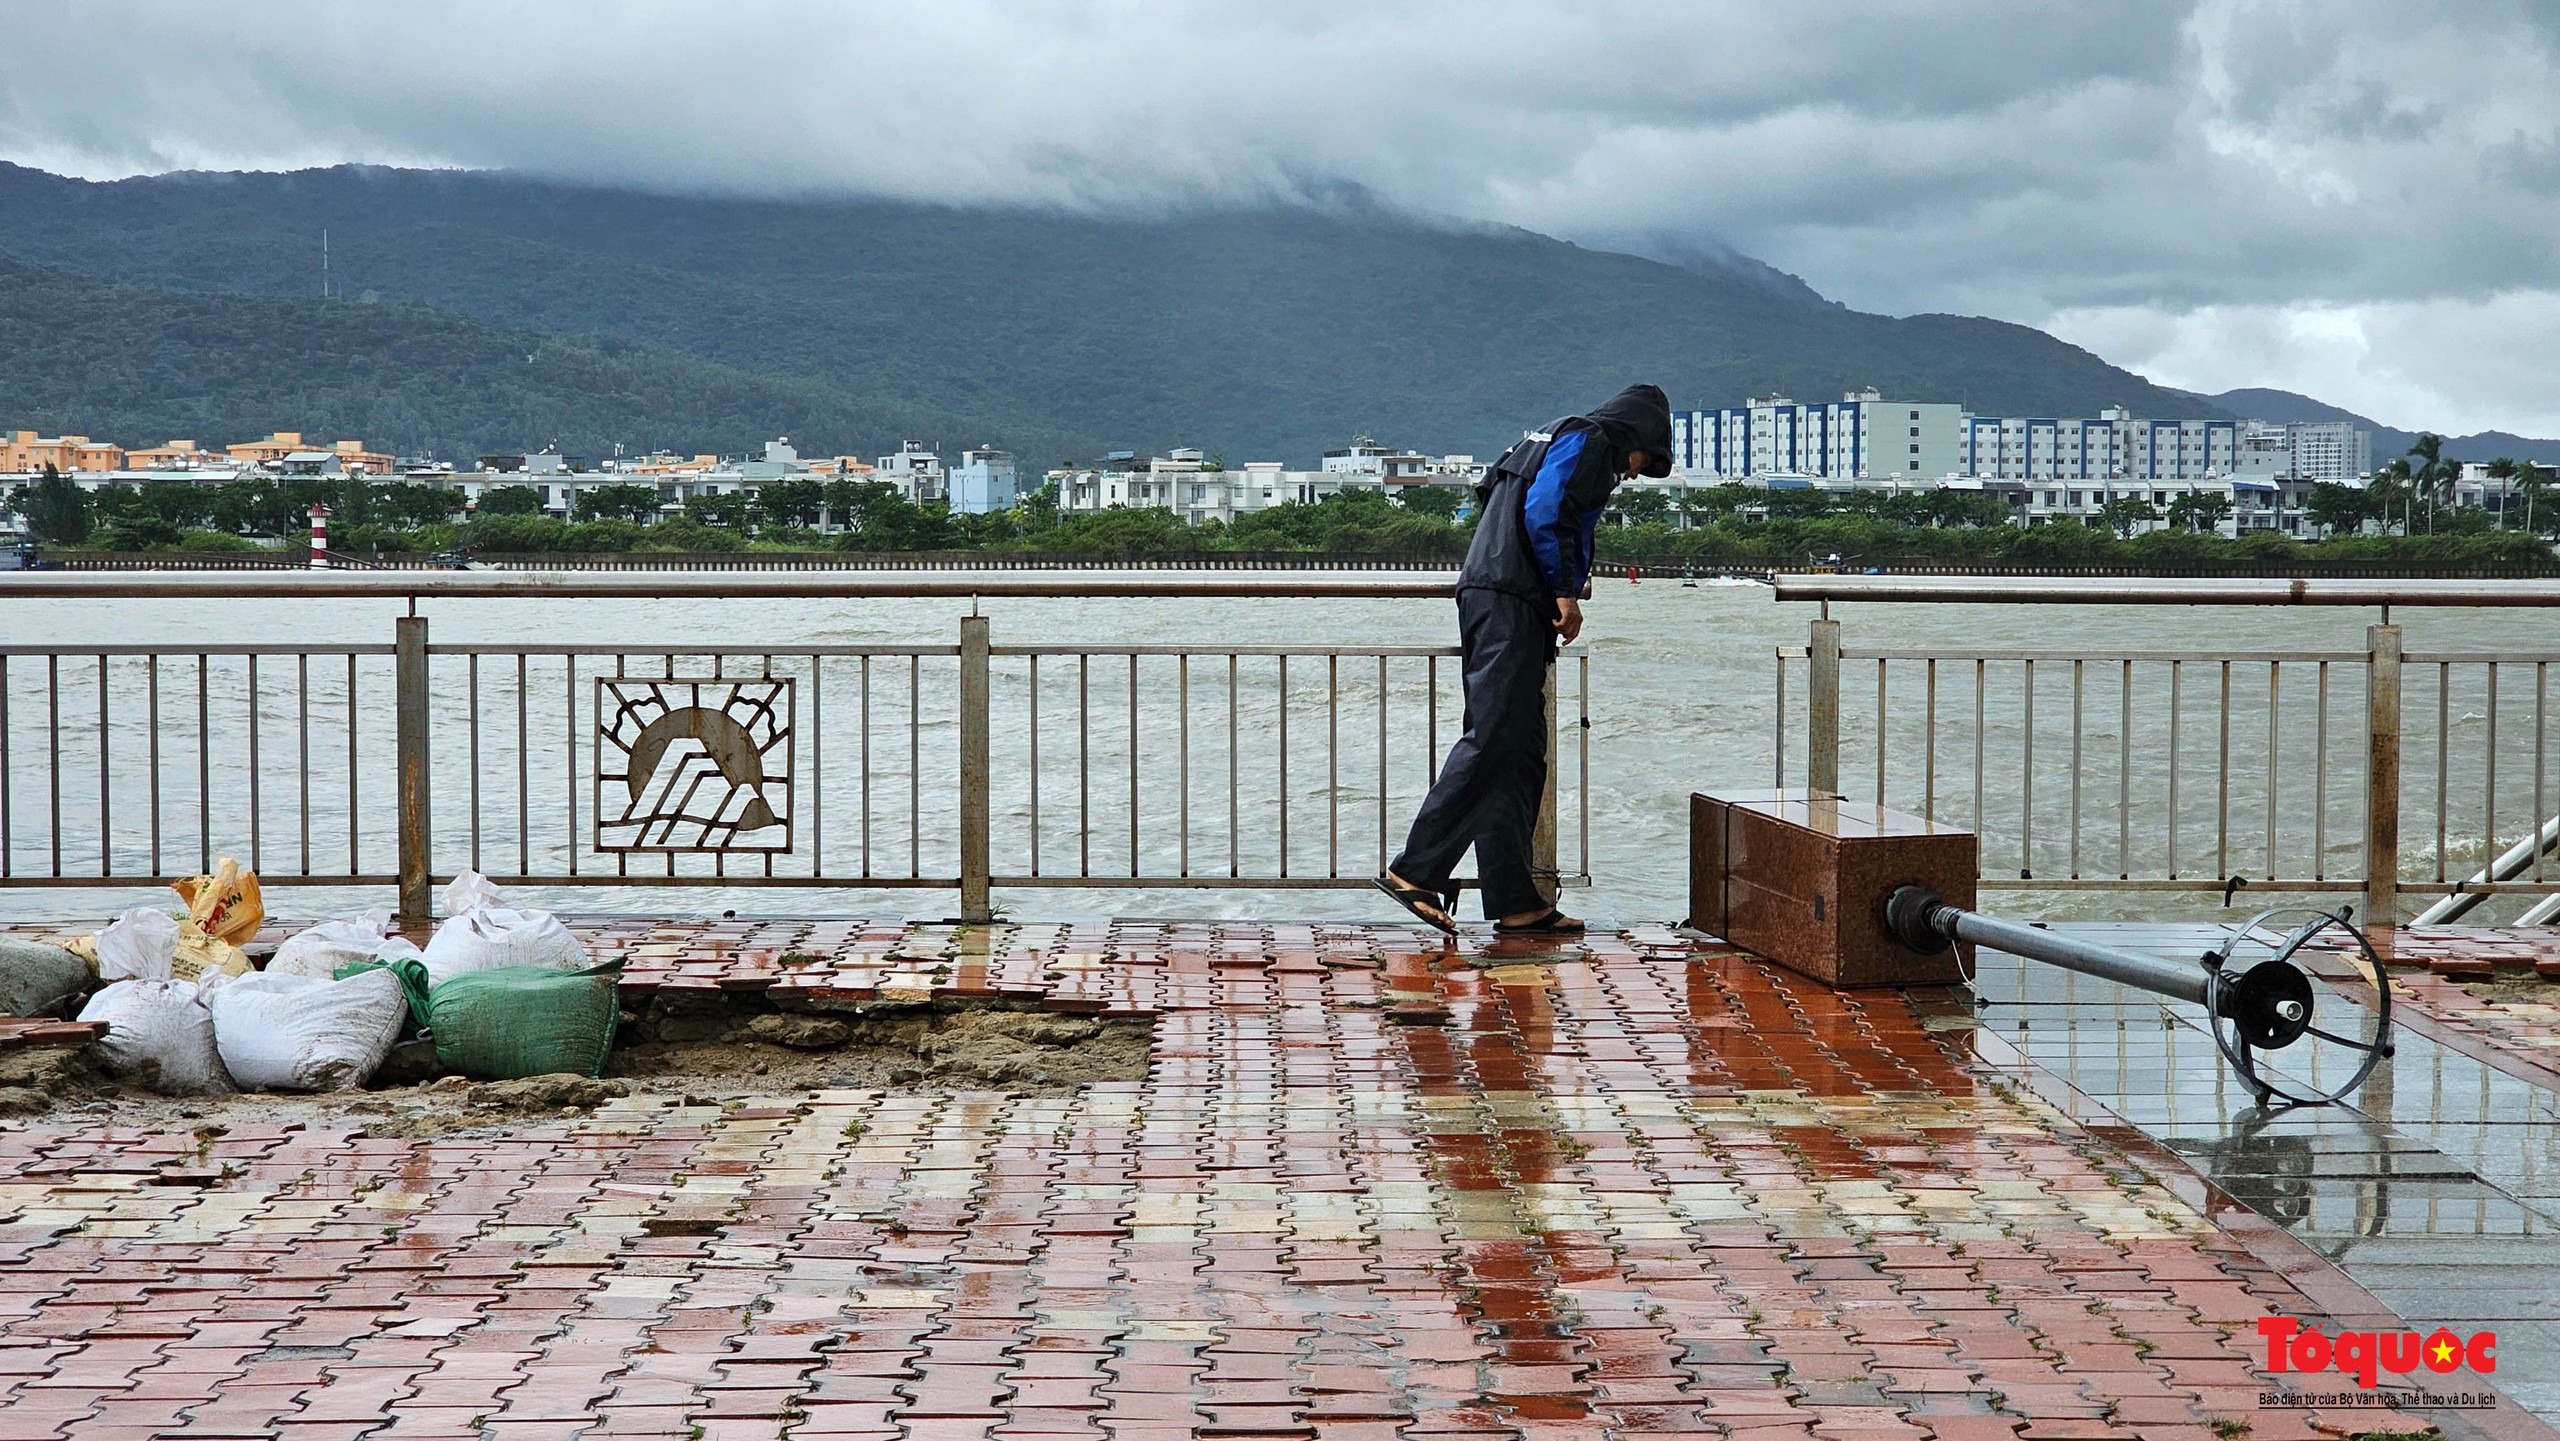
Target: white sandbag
300, 1033
142, 945
320, 951
467, 891
157, 1028
481, 935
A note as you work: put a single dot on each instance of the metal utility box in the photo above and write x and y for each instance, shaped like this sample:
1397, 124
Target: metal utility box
1801, 876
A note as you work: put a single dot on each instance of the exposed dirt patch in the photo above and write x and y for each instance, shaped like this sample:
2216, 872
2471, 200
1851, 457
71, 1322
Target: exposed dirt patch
36, 1079
712, 1049
2515, 988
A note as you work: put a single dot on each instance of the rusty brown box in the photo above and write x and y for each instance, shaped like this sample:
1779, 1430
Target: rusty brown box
1801, 877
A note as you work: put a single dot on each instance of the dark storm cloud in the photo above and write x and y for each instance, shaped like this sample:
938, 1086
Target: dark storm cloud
2172, 183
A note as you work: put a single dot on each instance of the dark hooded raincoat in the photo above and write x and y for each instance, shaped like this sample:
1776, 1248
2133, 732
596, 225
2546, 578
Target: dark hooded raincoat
1538, 512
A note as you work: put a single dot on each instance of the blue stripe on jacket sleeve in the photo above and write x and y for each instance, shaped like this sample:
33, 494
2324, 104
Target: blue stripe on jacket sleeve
1542, 511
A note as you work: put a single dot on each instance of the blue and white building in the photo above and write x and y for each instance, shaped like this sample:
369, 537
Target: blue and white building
1859, 437
2111, 446
983, 482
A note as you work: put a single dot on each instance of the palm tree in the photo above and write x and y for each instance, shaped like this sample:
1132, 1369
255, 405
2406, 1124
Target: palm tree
2391, 482
2501, 468
2434, 475
2530, 478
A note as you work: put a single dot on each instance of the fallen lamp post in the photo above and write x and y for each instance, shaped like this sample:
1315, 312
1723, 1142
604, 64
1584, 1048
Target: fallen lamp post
1853, 895
2265, 1006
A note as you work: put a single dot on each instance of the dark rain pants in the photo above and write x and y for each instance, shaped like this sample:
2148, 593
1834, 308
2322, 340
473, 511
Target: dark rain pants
1487, 795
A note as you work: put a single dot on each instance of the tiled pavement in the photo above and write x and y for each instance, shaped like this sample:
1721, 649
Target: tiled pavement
1369, 1189
2435, 965
18, 1031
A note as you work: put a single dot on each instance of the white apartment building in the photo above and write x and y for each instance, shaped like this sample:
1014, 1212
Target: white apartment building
1182, 483
1860, 436
2113, 445
2046, 466
2331, 450
915, 471
557, 480
2477, 487
2258, 502
1364, 456
1361, 455
982, 482
94, 480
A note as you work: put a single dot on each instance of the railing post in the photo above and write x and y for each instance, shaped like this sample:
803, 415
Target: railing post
1822, 708
1542, 838
409, 693
2382, 775
975, 906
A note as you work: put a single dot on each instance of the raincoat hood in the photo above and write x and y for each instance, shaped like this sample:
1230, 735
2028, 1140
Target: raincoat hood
1638, 418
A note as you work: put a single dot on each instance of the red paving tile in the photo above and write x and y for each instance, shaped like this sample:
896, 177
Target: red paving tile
1368, 1190
41, 1031
2515, 1029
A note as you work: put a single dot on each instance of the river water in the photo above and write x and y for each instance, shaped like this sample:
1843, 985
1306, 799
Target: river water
1683, 693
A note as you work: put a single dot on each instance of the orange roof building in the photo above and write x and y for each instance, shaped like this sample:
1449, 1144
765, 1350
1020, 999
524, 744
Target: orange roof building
25, 452
353, 456
272, 451
176, 455
268, 451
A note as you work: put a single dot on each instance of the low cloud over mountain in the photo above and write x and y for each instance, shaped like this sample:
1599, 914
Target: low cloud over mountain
2355, 199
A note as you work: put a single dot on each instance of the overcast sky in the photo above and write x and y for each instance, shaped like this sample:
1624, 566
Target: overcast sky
2356, 199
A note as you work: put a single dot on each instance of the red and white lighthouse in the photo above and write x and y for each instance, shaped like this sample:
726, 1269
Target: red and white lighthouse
319, 537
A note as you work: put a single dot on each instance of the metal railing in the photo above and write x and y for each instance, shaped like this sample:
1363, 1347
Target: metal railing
2373, 771
964, 765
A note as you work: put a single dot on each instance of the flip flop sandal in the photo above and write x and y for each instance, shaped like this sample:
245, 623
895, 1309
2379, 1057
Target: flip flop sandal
1422, 901
1553, 923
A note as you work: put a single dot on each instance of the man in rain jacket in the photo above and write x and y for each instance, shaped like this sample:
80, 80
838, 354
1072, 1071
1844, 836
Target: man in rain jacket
1519, 595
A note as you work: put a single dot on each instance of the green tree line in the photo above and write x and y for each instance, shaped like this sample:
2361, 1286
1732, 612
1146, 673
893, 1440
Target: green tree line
1730, 524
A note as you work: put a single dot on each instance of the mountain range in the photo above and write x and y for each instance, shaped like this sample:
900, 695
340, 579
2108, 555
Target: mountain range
465, 312
2285, 406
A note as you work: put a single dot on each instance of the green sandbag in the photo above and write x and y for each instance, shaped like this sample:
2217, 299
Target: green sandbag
413, 985
516, 1021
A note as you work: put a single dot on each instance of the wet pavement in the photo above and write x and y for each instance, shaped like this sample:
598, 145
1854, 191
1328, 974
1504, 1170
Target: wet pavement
2453, 973
2437, 1187
1369, 1189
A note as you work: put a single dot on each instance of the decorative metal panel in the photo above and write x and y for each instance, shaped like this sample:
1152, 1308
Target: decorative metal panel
694, 764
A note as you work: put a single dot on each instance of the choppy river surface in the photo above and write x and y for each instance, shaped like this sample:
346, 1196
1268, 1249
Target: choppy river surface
1682, 698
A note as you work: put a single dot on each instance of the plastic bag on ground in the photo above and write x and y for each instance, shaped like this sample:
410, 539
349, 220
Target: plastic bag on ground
303, 1033
157, 1027
203, 959
223, 910
482, 935
515, 1021
224, 905
329, 947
